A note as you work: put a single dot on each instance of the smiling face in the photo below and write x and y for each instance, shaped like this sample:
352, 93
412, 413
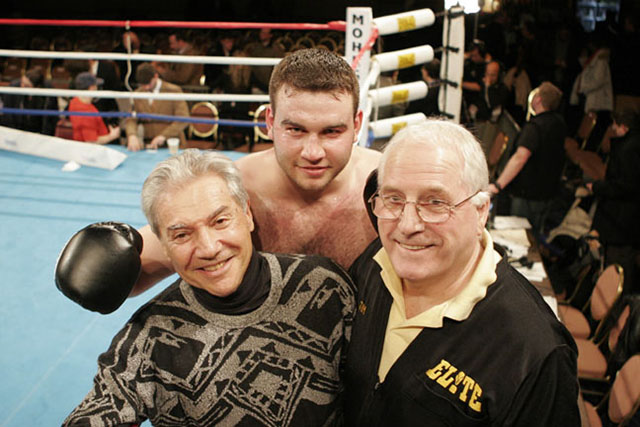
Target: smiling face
425, 253
206, 234
313, 135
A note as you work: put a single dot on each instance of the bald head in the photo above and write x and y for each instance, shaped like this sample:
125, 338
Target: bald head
492, 72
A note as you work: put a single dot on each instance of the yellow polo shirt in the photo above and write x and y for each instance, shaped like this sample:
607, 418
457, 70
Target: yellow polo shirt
402, 331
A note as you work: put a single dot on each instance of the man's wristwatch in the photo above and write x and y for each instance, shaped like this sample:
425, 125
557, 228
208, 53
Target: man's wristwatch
498, 186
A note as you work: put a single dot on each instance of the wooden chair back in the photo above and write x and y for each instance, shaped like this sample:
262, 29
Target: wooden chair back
606, 293
586, 126
624, 400
205, 110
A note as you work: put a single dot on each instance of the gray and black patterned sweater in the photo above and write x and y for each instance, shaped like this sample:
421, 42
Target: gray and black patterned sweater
178, 363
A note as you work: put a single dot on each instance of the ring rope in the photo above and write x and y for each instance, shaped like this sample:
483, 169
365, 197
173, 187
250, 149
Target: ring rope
222, 60
122, 114
330, 26
166, 96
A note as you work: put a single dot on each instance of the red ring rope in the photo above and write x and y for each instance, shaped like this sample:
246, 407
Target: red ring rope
332, 25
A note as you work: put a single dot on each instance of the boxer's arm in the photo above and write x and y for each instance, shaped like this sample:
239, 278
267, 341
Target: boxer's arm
155, 265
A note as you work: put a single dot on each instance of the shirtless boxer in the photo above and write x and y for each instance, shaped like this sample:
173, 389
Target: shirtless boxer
305, 193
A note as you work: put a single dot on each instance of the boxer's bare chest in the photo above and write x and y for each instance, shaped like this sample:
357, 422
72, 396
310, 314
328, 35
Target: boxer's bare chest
338, 228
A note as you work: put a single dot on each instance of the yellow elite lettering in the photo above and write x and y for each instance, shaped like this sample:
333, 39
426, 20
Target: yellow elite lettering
473, 402
454, 387
467, 383
436, 371
447, 378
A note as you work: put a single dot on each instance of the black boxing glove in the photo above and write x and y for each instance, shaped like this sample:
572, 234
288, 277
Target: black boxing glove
99, 266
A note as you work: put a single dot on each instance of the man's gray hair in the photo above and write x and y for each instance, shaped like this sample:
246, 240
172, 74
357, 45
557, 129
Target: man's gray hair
183, 168
475, 173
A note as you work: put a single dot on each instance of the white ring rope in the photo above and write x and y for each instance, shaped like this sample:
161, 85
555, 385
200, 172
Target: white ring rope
222, 60
134, 95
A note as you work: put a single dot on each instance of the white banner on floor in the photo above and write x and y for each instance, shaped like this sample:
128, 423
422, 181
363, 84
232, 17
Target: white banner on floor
51, 147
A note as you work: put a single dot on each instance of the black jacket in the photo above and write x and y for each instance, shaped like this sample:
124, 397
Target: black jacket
618, 195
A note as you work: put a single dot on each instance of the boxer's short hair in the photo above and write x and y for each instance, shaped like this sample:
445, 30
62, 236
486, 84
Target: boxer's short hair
315, 70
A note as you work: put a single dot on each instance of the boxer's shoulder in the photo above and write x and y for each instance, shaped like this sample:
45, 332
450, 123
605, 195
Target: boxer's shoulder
257, 169
364, 160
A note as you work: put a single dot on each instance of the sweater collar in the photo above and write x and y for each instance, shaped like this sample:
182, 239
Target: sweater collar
251, 293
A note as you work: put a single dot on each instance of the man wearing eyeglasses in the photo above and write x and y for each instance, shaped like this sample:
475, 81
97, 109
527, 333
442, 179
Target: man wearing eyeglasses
446, 332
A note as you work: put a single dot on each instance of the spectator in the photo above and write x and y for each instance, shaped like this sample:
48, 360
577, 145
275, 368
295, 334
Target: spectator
108, 74
33, 78
474, 67
593, 90
181, 73
519, 85
428, 105
89, 128
237, 79
264, 47
532, 174
490, 104
75, 67
618, 197
155, 132
217, 76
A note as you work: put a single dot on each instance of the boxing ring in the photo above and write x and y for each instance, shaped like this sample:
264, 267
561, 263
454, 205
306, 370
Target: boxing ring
50, 344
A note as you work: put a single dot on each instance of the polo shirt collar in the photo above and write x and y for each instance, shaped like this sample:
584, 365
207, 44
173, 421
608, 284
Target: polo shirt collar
457, 308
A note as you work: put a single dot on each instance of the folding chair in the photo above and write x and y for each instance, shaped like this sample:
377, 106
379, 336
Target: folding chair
605, 294
598, 362
259, 116
623, 399
593, 365
204, 110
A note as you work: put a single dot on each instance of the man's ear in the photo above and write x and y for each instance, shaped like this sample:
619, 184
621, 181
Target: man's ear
250, 216
269, 120
483, 215
357, 124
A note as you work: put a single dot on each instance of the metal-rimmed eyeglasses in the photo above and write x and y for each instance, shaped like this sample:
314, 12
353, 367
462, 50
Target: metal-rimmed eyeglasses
431, 211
